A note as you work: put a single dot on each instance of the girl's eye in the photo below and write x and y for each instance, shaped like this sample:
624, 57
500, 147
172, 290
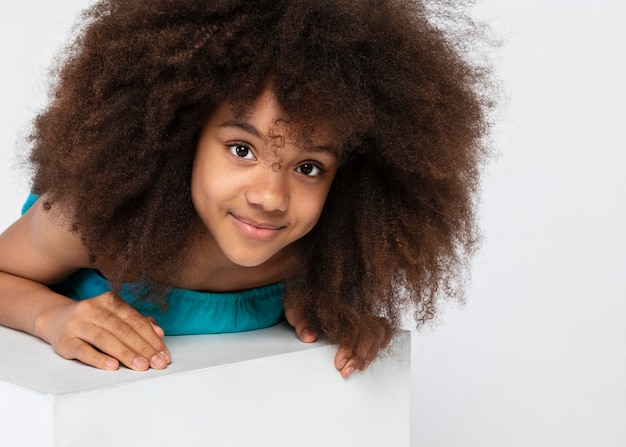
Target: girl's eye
241, 151
309, 170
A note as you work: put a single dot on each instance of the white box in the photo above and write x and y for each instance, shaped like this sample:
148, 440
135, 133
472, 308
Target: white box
254, 388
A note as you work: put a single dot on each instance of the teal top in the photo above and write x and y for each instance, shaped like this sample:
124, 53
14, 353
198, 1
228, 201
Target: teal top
187, 311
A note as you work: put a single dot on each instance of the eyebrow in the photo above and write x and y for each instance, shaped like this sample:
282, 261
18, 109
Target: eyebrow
246, 127
243, 126
332, 150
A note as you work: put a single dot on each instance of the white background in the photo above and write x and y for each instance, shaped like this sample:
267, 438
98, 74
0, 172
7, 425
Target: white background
537, 357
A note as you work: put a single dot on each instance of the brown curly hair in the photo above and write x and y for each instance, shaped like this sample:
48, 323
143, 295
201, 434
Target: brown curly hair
116, 143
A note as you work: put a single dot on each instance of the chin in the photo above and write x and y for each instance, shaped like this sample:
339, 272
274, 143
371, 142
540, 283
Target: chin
249, 264
249, 261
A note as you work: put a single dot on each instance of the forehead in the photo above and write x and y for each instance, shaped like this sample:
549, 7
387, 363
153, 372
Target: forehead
265, 119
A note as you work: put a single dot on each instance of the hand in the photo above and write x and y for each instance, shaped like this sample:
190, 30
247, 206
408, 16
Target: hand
374, 335
102, 332
306, 333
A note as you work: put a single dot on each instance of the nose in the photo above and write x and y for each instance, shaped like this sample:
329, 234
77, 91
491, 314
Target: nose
269, 190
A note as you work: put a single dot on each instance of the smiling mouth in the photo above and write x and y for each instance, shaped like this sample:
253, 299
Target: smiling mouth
256, 230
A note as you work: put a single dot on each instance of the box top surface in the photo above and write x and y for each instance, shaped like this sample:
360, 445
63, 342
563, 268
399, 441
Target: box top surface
29, 362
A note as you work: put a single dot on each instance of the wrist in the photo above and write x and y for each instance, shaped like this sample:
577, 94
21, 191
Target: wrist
42, 321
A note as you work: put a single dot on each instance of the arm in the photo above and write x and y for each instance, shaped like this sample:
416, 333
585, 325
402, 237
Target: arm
37, 250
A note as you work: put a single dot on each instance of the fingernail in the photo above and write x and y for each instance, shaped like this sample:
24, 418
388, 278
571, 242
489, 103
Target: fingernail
366, 363
348, 371
111, 364
309, 334
158, 361
166, 356
141, 363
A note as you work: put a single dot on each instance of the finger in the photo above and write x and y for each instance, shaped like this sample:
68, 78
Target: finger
343, 355
114, 337
352, 357
85, 353
157, 329
140, 338
123, 346
140, 334
306, 333
346, 361
380, 341
160, 333
371, 354
373, 337
353, 364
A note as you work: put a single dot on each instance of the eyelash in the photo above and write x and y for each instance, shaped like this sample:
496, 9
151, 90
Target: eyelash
235, 146
233, 150
320, 171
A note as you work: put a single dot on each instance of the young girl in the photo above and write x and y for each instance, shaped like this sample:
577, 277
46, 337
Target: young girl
210, 166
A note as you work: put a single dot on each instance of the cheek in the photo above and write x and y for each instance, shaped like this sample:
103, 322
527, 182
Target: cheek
210, 181
205, 191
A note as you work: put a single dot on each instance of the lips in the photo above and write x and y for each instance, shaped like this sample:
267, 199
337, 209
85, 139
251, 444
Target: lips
256, 230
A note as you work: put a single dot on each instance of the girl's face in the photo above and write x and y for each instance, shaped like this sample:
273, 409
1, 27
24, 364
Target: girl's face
255, 188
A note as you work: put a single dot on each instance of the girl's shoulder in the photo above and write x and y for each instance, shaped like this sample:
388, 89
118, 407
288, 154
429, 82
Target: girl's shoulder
41, 245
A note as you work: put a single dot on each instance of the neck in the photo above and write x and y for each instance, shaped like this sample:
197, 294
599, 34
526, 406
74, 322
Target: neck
207, 269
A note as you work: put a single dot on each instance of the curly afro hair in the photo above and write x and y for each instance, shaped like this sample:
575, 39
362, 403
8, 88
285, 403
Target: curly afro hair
116, 143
